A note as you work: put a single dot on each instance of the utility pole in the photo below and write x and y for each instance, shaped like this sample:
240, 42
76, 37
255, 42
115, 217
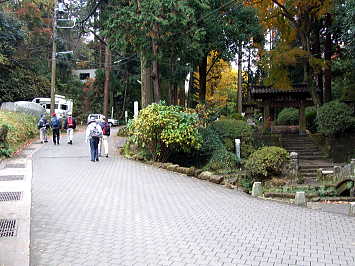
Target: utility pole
54, 52
240, 93
108, 62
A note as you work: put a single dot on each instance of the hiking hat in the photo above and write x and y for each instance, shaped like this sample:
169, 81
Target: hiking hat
54, 114
92, 120
69, 113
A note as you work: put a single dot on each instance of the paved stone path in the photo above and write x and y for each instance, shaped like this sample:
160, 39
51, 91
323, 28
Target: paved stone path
122, 212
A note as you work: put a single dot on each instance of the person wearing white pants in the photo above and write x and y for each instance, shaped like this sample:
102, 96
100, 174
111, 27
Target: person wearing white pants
70, 134
70, 125
105, 134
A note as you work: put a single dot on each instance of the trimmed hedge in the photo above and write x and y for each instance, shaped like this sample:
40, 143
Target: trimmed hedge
288, 117
221, 159
230, 129
311, 115
334, 118
267, 162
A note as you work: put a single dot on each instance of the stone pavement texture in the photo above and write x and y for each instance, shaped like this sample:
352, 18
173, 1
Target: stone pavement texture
122, 212
15, 178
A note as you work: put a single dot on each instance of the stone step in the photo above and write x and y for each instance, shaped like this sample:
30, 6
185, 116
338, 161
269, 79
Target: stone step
311, 157
300, 146
313, 175
296, 140
323, 166
313, 169
305, 152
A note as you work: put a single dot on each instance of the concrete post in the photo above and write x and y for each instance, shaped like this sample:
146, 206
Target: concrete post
135, 109
237, 148
352, 209
352, 167
126, 116
300, 198
257, 189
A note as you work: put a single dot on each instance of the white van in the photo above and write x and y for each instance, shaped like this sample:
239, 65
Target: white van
62, 105
111, 121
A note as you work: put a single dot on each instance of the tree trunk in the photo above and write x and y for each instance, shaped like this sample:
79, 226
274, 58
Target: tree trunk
156, 81
156, 70
308, 75
107, 79
240, 93
146, 88
202, 69
328, 59
172, 85
181, 95
125, 93
316, 51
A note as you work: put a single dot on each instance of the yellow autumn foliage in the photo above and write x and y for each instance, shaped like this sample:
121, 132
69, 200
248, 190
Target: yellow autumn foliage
221, 80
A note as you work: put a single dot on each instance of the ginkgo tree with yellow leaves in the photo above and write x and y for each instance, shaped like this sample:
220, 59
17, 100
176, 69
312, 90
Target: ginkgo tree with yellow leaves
221, 83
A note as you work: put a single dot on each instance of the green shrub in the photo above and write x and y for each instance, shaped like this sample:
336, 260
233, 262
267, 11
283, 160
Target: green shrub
311, 115
334, 118
210, 142
236, 116
267, 162
288, 116
21, 127
230, 129
161, 129
221, 159
122, 132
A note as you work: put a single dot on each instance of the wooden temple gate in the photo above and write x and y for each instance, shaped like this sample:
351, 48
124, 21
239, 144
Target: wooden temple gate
269, 98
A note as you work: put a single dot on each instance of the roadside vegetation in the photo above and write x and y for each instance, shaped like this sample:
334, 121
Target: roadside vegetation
15, 130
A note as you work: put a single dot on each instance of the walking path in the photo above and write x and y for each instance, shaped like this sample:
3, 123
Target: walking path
122, 212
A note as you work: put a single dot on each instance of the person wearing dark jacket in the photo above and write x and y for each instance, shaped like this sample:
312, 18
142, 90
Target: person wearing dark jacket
56, 125
42, 125
69, 126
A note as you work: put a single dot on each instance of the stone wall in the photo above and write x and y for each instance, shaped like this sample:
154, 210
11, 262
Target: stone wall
339, 149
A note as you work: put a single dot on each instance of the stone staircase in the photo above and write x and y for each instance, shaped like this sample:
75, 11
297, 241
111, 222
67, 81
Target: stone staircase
310, 157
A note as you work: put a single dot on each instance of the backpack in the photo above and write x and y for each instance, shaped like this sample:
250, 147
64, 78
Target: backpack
55, 122
95, 133
70, 122
106, 129
41, 123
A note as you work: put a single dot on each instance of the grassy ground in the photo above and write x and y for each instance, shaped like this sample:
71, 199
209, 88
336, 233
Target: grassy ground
21, 128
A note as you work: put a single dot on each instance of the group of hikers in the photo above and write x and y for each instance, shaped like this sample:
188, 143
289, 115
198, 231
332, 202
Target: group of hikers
97, 133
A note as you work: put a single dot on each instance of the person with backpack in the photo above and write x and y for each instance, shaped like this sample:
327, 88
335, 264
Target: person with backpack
42, 125
56, 125
69, 126
105, 126
93, 134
